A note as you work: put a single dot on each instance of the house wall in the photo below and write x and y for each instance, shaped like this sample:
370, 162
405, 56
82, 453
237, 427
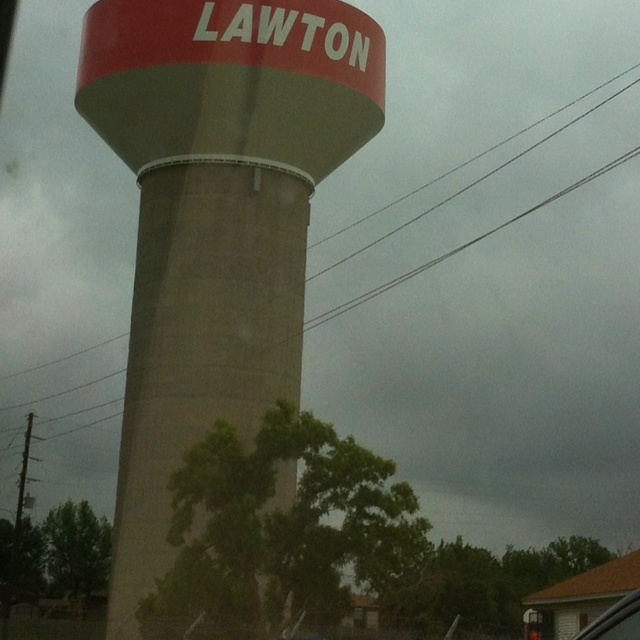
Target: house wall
594, 611
566, 624
373, 619
567, 620
362, 618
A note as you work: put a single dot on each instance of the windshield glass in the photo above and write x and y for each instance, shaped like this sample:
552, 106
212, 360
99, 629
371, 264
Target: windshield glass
416, 220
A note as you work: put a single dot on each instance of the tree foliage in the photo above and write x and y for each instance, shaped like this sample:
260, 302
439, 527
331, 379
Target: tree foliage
466, 580
570, 557
29, 570
252, 568
78, 549
487, 591
526, 571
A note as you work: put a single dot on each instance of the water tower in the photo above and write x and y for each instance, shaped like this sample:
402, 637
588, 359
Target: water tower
229, 113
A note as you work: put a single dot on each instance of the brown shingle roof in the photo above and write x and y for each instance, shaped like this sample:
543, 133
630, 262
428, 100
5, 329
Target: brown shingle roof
618, 577
363, 601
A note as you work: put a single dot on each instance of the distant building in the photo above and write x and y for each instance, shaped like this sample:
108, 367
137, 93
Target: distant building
364, 613
575, 603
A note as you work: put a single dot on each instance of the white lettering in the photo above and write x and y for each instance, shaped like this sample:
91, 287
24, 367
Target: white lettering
276, 27
313, 24
202, 32
337, 30
360, 52
241, 26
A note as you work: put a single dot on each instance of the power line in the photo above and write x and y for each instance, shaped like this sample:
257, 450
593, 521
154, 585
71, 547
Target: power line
374, 293
93, 425
62, 393
6, 456
15, 435
7, 432
458, 193
390, 205
345, 307
110, 450
81, 427
77, 428
377, 212
470, 186
75, 413
16, 431
9, 447
473, 159
65, 358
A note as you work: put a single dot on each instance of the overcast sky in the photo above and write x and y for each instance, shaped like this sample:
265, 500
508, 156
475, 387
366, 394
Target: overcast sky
504, 381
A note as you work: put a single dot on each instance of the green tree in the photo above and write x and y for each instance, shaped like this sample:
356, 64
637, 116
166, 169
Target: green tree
78, 549
525, 571
527, 567
529, 570
573, 556
253, 569
30, 562
400, 563
465, 580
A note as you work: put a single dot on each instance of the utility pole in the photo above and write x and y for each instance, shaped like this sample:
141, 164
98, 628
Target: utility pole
8, 11
17, 530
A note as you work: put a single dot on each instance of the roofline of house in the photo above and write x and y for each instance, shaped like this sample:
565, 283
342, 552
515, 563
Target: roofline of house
571, 599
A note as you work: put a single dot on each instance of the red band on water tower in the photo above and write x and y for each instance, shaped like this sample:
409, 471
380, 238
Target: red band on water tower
326, 39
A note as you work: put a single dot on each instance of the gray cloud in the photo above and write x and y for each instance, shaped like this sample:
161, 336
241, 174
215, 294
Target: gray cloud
502, 381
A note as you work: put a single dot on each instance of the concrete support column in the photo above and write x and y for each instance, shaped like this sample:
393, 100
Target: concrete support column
216, 332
